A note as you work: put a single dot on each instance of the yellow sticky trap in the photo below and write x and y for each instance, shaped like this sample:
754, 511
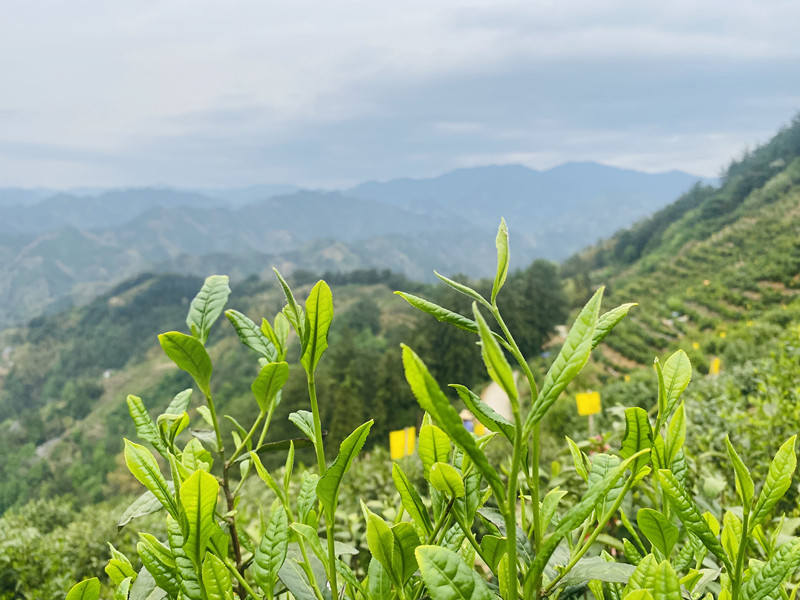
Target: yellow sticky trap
696, 345
722, 334
588, 403
715, 366
627, 378
411, 440
480, 429
749, 323
397, 444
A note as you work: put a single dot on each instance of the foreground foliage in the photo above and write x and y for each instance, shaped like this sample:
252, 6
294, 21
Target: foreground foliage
471, 530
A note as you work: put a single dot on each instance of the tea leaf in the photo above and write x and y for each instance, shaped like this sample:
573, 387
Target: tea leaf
145, 428
448, 577
687, 511
433, 447
88, 589
484, 413
271, 552
579, 459
447, 480
763, 584
501, 242
146, 504
496, 364
190, 587
464, 289
180, 403
570, 360
677, 374
328, 486
666, 585
405, 542
296, 581
144, 467
380, 584
268, 383
411, 500
638, 436
307, 495
216, 579
159, 562
319, 314
607, 321
779, 478
199, 499
292, 311
643, 577
190, 355
440, 313
251, 336
744, 482
207, 306
431, 398
657, 528
676, 435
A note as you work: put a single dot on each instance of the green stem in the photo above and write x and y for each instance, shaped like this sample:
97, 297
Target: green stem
736, 580
432, 538
242, 581
322, 467
470, 536
592, 538
247, 438
312, 395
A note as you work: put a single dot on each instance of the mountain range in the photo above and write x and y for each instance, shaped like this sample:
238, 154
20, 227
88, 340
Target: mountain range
62, 248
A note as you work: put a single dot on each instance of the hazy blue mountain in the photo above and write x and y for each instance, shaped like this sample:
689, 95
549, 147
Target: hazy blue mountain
250, 194
106, 209
22, 196
560, 210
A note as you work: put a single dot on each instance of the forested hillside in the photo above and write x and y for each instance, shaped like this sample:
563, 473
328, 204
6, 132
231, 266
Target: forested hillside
65, 377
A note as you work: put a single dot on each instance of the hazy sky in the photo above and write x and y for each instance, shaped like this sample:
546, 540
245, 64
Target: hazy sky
326, 93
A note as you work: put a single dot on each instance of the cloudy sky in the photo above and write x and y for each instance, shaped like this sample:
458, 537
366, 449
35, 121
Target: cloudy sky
331, 92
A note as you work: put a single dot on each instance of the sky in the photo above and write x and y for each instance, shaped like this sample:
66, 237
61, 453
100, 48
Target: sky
331, 93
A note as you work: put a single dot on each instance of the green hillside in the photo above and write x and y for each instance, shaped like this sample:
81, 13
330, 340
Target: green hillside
720, 265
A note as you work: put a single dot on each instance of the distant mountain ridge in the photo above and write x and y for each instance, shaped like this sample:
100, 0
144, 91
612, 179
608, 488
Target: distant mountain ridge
60, 249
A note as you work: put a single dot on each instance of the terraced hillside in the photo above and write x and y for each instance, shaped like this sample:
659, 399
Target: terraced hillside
715, 266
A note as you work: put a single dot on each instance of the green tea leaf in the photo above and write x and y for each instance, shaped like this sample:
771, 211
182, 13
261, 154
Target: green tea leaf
404, 542
484, 413
677, 374
778, 481
662, 534
199, 499
159, 562
251, 336
598, 569
494, 548
448, 577
440, 313
411, 500
643, 577
602, 465
464, 289
501, 242
607, 321
296, 581
272, 550
88, 589
216, 579
570, 360
190, 355
744, 482
145, 428
575, 516
268, 383
431, 398
180, 403
304, 420
307, 496
380, 541
380, 584
207, 306
188, 573
146, 504
688, 513
496, 364
144, 467
292, 311
447, 480
638, 436
676, 435
666, 585
579, 459
319, 314
433, 447
766, 581
328, 486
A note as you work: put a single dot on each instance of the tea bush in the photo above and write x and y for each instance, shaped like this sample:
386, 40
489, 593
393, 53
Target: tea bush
625, 525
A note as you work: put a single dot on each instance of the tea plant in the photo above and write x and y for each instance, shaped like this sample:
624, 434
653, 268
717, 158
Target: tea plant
471, 531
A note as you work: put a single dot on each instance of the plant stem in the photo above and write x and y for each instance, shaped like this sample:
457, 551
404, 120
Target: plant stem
736, 580
432, 538
242, 581
597, 531
247, 438
329, 521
